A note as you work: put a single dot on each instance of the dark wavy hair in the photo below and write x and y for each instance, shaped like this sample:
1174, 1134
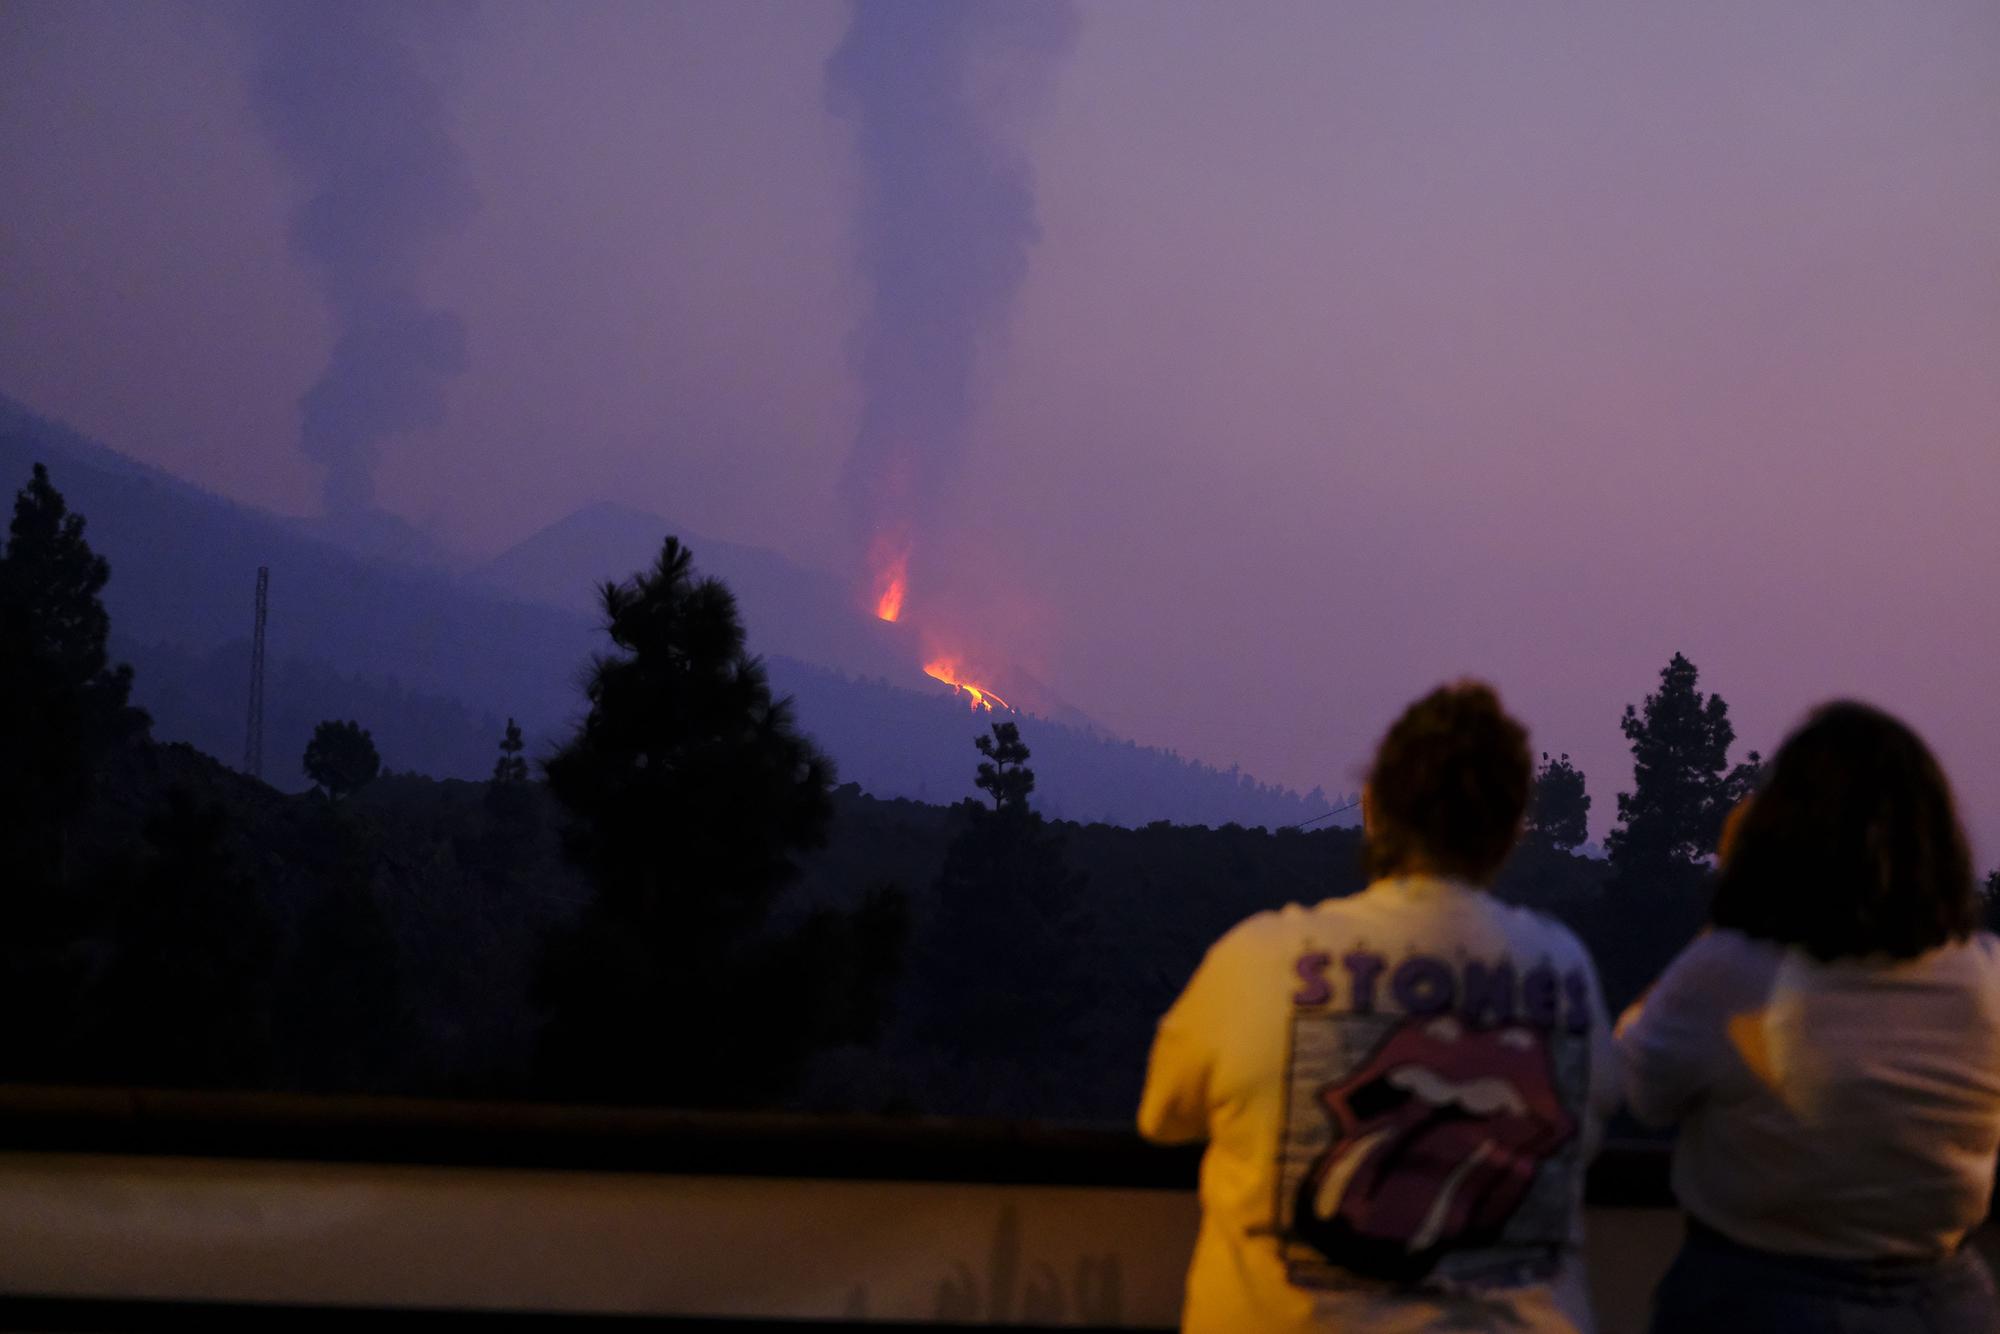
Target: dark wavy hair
1449, 786
1851, 845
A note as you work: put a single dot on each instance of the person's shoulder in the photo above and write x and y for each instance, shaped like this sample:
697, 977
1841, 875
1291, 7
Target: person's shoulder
1271, 929
1722, 959
1725, 945
1260, 929
1546, 931
1981, 951
1984, 946
1980, 973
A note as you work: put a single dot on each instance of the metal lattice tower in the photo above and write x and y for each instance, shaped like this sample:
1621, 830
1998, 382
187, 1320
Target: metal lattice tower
253, 745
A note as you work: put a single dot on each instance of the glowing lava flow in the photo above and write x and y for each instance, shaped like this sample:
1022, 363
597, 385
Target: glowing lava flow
978, 697
893, 574
890, 605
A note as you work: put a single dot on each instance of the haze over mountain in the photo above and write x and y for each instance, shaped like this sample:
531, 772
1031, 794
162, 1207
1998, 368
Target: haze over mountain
800, 613
434, 661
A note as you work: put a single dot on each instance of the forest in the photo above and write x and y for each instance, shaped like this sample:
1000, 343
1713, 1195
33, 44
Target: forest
681, 904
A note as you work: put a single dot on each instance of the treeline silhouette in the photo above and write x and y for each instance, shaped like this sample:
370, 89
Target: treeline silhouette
678, 903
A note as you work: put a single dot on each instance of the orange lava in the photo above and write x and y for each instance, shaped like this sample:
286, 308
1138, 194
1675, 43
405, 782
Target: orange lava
978, 697
892, 576
890, 605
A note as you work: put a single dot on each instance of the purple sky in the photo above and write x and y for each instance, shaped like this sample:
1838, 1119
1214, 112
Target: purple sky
1361, 346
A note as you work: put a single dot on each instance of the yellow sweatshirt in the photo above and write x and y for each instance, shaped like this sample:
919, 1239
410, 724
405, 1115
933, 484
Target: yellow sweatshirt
1400, 1091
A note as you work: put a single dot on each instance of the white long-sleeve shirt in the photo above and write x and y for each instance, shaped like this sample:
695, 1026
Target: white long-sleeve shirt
1847, 1110
1400, 1091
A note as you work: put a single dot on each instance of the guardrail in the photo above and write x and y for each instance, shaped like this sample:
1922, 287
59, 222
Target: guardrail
128, 1208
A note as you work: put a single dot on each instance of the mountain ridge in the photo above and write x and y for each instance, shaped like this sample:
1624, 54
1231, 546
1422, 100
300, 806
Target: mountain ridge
448, 655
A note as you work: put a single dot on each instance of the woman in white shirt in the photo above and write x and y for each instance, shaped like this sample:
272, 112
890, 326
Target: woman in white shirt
1830, 1051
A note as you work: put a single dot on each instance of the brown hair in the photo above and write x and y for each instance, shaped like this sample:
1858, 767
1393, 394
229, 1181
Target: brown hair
1852, 844
1449, 786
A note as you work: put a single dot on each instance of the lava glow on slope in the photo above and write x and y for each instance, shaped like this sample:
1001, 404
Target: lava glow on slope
977, 697
889, 605
892, 575
889, 559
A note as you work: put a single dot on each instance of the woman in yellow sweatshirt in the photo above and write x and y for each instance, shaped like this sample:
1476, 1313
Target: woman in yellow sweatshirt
1400, 1089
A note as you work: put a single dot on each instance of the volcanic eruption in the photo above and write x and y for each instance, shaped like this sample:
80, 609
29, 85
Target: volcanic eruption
944, 223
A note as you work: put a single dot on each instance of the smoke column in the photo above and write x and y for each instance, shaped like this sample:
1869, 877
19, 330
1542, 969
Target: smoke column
946, 220
342, 92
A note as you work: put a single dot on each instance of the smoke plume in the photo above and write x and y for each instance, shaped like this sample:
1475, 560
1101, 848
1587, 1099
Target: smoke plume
343, 90
946, 220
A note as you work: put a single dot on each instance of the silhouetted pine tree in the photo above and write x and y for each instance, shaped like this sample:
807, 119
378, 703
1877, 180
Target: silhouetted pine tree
691, 797
1004, 774
1683, 787
63, 715
1559, 807
511, 767
62, 706
1682, 783
511, 804
1004, 957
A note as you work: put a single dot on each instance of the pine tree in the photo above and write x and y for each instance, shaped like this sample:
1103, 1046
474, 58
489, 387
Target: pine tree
63, 708
1003, 972
64, 716
1682, 783
1004, 774
509, 802
511, 767
1559, 808
1667, 828
688, 786
691, 797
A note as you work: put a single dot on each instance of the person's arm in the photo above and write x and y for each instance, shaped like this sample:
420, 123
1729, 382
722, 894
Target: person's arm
1607, 1082
1174, 1107
1672, 1037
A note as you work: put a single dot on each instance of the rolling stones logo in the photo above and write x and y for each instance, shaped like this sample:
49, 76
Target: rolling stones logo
1437, 1136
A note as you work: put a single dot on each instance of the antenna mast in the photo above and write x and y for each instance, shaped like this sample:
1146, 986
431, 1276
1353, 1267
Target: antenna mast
253, 745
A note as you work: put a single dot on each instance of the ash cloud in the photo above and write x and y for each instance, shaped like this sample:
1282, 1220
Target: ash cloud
346, 94
946, 220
